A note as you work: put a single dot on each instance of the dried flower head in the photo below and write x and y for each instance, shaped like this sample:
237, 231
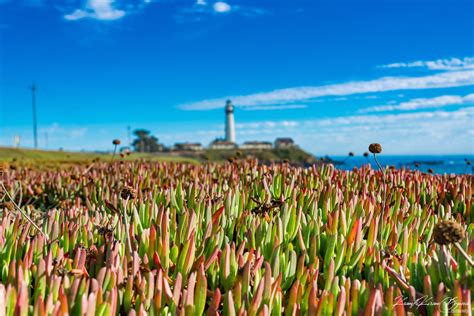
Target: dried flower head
128, 193
351, 154
7, 205
430, 170
286, 160
116, 142
375, 148
366, 154
448, 232
417, 164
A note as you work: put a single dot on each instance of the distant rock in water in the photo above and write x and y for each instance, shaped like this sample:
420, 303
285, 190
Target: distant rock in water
327, 159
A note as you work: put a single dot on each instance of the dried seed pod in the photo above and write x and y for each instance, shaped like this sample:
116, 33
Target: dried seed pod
116, 142
128, 193
448, 232
366, 154
351, 154
375, 148
8, 206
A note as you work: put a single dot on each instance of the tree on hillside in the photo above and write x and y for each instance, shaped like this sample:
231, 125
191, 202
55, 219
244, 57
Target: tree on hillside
145, 142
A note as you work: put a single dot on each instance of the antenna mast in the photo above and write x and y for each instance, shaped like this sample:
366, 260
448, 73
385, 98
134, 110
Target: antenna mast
33, 89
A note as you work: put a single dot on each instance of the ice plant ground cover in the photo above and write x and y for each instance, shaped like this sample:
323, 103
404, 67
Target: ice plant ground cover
235, 238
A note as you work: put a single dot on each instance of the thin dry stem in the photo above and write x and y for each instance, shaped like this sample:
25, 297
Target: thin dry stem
115, 151
380, 167
383, 201
464, 254
23, 213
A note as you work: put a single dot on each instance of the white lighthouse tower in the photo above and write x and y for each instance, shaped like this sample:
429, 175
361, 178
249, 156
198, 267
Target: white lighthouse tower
229, 122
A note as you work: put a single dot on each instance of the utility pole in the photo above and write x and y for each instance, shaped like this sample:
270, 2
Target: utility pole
33, 89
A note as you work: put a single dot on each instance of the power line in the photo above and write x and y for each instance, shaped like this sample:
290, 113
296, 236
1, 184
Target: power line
33, 89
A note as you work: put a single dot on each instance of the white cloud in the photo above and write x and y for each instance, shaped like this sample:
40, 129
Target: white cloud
275, 107
76, 15
424, 103
203, 10
49, 136
97, 9
440, 64
222, 7
298, 94
438, 132
56, 131
266, 124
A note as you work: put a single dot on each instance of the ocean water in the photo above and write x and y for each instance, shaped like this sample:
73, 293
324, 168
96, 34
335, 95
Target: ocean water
453, 164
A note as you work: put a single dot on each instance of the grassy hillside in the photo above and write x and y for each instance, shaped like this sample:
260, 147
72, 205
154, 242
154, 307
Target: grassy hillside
295, 156
51, 158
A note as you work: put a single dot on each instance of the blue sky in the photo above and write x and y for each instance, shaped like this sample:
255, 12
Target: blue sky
334, 75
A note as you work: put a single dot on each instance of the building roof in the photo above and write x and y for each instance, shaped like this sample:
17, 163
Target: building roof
229, 107
284, 140
221, 142
255, 142
188, 144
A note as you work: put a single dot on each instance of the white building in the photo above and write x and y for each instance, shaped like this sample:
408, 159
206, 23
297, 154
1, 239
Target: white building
222, 144
188, 146
256, 145
285, 142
